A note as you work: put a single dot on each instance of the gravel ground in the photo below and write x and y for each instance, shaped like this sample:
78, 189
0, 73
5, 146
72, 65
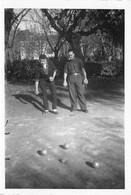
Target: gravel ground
96, 136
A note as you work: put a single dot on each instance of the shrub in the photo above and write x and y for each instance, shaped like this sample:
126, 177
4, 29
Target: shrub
108, 68
93, 68
112, 68
21, 69
25, 69
105, 68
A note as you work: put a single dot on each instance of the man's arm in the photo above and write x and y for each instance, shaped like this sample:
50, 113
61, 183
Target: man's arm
85, 76
65, 80
84, 72
37, 75
65, 75
53, 77
36, 87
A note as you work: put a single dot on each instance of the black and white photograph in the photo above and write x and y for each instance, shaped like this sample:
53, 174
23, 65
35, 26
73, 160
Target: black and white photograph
64, 98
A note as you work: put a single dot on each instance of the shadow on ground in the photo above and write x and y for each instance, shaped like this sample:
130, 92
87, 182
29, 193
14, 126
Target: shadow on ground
25, 176
102, 90
25, 99
29, 99
90, 137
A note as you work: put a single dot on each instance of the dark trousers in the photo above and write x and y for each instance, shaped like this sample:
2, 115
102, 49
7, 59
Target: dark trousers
51, 84
76, 90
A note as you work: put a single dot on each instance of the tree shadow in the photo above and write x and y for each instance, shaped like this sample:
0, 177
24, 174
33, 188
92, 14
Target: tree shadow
107, 97
21, 82
108, 92
26, 176
59, 102
88, 163
31, 175
105, 91
25, 99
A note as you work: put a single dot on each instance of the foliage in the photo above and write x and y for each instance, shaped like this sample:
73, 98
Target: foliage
93, 68
111, 22
95, 32
105, 68
52, 38
82, 22
113, 68
21, 69
25, 69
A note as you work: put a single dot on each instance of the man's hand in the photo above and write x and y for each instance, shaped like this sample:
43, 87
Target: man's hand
51, 78
65, 84
37, 92
85, 81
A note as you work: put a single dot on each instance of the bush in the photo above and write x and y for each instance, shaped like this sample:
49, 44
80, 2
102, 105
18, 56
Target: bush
112, 68
120, 67
25, 69
105, 68
108, 68
21, 69
93, 68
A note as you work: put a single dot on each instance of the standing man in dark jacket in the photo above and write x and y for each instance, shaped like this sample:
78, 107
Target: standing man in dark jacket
73, 70
44, 76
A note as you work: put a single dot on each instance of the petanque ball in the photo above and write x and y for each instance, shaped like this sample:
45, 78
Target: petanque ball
96, 164
43, 152
65, 146
63, 160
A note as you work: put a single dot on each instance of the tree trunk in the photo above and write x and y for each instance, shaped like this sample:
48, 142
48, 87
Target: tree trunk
56, 54
75, 45
6, 62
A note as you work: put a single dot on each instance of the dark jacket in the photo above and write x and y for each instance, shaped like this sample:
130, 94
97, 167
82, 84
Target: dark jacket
40, 74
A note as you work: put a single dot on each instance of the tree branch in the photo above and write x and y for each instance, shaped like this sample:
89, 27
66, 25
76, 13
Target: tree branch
76, 20
16, 17
17, 26
49, 41
91, 31
52, 21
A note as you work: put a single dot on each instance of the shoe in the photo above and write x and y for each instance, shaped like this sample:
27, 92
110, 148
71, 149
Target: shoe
86, 111
73, 110
55, 111
46, 111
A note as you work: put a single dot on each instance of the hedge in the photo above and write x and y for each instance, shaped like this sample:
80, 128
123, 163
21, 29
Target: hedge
25, 69
105, 68
21, 69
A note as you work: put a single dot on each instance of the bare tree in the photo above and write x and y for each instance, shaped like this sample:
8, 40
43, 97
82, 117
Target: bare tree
12, 21
54, 40
72, 24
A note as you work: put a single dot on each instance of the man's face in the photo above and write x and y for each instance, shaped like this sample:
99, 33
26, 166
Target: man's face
71, 55
43, 62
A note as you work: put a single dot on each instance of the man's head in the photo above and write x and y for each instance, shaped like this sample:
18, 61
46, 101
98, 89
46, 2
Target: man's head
71, 54
43, 59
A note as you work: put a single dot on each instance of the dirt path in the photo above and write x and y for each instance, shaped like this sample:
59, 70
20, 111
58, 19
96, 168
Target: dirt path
95, 136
